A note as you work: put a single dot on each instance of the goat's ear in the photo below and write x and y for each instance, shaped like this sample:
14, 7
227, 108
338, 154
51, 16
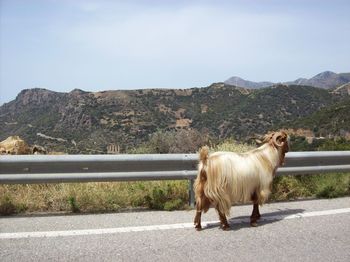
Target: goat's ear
258, 142
268, 137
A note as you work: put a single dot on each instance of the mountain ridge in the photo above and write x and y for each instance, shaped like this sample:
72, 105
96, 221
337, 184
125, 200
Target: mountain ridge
326, 80
87, 122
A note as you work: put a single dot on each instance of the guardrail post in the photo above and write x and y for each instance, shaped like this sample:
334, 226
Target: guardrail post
191, 193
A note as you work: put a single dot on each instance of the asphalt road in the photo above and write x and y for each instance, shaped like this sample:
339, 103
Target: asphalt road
313, 230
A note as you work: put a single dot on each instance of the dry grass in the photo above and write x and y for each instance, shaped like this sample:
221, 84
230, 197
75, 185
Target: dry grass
162, 195
321, 186
93, 197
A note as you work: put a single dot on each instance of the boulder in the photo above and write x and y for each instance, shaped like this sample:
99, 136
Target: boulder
14, 145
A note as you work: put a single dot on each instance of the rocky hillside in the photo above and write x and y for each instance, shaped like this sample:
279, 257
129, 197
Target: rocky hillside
343, 89
331, 121
85, 122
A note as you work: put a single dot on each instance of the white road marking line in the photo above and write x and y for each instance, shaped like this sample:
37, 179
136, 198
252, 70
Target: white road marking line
85, 232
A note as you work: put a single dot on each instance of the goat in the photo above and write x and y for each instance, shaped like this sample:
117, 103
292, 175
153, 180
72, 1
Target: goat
226, 178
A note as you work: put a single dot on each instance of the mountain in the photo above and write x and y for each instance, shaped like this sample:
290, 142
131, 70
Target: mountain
237, 81
87, 122
326, 80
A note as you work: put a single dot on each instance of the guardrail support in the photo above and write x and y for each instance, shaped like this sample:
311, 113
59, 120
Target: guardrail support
191, 193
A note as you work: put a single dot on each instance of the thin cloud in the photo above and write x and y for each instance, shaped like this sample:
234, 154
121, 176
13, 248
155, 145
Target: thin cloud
194, 32
99, 45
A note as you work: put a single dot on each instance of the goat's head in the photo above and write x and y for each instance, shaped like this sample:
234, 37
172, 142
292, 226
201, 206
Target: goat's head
279, 140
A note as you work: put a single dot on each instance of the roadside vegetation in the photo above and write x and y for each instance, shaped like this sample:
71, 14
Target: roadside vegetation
164, 195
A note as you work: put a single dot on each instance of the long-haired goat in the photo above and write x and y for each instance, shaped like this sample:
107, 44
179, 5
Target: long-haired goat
225, 178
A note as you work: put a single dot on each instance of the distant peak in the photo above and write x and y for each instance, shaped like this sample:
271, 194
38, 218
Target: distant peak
328, 72
326, 80
236, 77
325, 74
77, 91
238, 81
34, 91
35, 95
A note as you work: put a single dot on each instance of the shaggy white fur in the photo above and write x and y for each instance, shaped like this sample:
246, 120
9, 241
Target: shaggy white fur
227, 178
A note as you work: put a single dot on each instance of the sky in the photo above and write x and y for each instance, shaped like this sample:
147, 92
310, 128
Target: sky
110, 45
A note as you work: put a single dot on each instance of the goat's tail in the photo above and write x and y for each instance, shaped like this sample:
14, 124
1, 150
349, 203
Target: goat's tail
202, 168
203, 155
202, 201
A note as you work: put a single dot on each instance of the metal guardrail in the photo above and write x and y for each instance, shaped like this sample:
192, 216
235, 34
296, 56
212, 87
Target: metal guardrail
94, 168
23, 169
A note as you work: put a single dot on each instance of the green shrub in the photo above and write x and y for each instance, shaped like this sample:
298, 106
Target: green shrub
288, 187
173, 204
332, 185
329, 191
164, 199
6, 206
73, 205
322, 186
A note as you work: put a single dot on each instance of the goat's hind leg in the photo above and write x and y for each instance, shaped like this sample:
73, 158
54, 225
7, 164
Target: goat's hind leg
255, 214
202, 205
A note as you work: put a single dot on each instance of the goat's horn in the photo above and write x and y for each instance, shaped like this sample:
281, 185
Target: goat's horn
277, 135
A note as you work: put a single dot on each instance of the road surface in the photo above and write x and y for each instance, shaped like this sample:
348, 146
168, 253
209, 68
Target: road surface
312, 230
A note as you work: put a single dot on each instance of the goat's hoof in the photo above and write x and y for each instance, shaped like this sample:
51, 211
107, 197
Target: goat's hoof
253, 224
198, 227
226, 227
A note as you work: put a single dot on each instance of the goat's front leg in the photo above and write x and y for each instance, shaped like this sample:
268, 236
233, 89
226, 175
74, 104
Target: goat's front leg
197, 220
255, 214
223, 220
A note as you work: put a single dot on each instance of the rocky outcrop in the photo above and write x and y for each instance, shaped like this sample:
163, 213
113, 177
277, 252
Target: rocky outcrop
14, 145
